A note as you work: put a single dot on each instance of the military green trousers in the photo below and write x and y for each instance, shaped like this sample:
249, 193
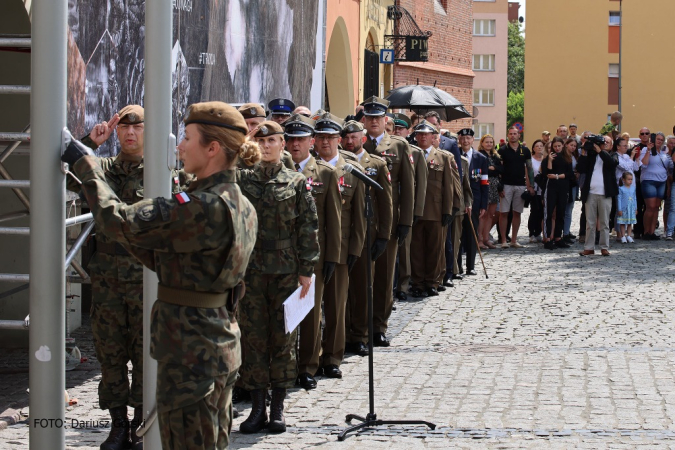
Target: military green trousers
117, 328
270, 351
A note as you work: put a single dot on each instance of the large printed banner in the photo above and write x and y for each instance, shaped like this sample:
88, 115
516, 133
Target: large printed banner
229, 50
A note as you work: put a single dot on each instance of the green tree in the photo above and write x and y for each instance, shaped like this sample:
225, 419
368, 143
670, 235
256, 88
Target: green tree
515, 108
516, 71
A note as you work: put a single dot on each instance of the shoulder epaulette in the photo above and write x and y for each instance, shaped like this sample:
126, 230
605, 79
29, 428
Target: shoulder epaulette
377, 158
348, 155
398, 138
322, 163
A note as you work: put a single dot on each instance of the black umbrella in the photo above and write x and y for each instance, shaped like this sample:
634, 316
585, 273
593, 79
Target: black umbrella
420, 98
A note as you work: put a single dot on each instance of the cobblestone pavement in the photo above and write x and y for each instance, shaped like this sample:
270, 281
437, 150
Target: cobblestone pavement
552, 351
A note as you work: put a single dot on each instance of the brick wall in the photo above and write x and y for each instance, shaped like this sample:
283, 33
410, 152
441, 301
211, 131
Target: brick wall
450, 50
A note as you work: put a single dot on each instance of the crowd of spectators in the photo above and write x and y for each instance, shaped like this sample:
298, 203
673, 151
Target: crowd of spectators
622, 185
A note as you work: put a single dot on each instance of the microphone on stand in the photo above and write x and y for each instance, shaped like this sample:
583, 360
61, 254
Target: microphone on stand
361, 176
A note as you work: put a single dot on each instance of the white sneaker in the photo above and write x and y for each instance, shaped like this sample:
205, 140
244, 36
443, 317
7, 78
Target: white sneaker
539, 238
629, 239
533, 239
669, 238
623, 240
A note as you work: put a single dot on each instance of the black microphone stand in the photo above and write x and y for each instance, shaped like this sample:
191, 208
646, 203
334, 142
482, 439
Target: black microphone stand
371, 419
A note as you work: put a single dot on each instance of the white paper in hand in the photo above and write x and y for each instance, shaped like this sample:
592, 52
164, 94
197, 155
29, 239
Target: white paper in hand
296, 308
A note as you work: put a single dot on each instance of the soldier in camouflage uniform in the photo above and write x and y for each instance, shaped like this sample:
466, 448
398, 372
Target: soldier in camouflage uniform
117, 283
286, 250
198, 242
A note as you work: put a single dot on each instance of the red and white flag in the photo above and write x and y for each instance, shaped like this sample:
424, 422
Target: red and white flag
182, 198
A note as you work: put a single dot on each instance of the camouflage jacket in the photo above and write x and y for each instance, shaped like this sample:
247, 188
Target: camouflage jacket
287, 240
199, 240
124, 175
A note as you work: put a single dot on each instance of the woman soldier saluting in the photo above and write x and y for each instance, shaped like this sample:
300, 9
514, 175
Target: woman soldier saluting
198, 243
286, 250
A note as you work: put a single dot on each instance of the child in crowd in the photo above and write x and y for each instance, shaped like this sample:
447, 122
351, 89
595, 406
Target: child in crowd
626, 208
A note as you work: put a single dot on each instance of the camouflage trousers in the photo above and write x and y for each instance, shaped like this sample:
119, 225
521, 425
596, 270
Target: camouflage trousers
117, 328
198, 354
203, 425
270, 351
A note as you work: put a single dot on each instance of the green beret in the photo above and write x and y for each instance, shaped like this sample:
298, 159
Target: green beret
251, 110
132, 114
268, 128
352, 127
216, 113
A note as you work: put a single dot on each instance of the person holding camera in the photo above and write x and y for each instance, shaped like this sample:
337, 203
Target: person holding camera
558, 172
597, 190
653, 177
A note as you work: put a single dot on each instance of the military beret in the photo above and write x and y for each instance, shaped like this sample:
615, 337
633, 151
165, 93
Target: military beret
402, 120
216, 113
375, 106
299, 126
352, 127
425, 127
281, 106
465, 132
268, 128
132, 114
546, 133
573, 125
328, 124
251, 110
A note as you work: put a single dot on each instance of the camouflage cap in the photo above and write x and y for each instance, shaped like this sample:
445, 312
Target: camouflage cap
216, 113
132, 114
327, 123
352, 127
251, 110
268, 128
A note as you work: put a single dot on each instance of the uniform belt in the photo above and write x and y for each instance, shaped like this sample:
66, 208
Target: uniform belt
279, 244
183, 297
111, 248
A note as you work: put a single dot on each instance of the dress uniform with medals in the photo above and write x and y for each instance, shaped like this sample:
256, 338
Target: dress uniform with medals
198, 242
421, 174
286, 247
396, 152
322, 183
280, 109
427, 240
356, 315
353, 226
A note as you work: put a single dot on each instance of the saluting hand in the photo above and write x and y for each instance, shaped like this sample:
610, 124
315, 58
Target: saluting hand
102, 131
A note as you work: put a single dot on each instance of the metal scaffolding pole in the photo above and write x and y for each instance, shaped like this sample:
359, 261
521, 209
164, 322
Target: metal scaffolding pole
47, 332
157, 177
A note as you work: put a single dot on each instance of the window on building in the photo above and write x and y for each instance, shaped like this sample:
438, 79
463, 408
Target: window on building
484, 27
614, 18
484, 62
614, 71
484, 97
481, 129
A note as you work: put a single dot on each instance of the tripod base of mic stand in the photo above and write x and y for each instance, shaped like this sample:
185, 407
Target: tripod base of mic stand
371, 420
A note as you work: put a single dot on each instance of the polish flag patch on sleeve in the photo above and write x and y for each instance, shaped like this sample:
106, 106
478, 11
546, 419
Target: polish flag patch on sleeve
484, 180
182, 198
412, 161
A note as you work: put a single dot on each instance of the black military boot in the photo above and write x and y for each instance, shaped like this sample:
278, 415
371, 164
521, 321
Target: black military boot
136, 441
277, 422
119, 430
257, 420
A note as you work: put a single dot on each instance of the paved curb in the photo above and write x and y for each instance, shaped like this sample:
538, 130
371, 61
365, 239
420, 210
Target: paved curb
9, 417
